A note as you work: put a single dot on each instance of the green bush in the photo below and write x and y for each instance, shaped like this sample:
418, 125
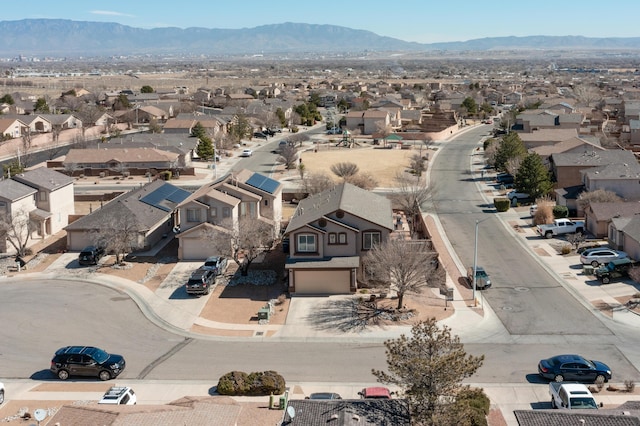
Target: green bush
238, 383
233, 383
560, 212
476, 398
501, 204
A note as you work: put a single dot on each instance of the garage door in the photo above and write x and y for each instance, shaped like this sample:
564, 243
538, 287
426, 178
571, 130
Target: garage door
76, 241
194, 249
322, 282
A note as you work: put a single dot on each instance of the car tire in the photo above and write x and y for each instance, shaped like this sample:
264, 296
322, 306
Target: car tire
600, 379
606, 280
104, 375
63, 374
558, 378
595, 263
553, 403
1, 397
548, 235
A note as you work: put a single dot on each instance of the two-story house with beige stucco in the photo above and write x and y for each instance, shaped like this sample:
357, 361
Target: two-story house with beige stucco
243, 195
329, 233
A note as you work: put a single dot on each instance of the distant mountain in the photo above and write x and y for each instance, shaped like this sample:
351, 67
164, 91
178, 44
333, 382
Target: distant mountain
59, 37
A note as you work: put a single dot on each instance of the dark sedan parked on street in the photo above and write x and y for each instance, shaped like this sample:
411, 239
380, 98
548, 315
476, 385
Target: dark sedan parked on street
576, 368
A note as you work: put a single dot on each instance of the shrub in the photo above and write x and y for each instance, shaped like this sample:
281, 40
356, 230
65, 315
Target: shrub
629, 385
566, 249
474, 397
501, 204
560, 212
239, 383
233, 383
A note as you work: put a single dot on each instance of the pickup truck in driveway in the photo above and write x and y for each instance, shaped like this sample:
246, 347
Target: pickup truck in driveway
571, 396
560, 227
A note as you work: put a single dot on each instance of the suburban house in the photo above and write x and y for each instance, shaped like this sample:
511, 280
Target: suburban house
368, 122
599, 215
137, 161
329, 232
237, 196
149, 211
567, 167
634, 129
348, 412
624, 234
35, 123
45, 195
63, 121
13, 127
619, 178
572, 145
544, 137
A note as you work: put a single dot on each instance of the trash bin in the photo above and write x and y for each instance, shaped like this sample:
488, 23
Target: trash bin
283, 402
264, 313
587, 269
449, 294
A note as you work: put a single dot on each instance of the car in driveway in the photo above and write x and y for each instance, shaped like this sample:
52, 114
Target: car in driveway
90, 255
601, 255
575, 368
246, 153
260, 135
86, 361
482, 278
505, 179
216, 264
200, 281
375, 392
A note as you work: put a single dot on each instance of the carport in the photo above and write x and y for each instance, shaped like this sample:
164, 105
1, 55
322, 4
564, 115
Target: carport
335, 275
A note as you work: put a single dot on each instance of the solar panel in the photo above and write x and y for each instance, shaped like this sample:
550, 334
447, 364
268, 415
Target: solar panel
263, 183
165, 197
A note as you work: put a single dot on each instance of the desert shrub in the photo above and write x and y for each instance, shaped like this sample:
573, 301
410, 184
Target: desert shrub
501, 204
475, 397
543, 215
234, 383
239, 383
560, 212
629, 385
266, 383
566, 249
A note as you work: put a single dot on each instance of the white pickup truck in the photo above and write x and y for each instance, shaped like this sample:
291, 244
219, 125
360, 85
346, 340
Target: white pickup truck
571, 396
559, 227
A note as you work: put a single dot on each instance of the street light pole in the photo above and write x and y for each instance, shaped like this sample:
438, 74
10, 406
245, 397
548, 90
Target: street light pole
475, 259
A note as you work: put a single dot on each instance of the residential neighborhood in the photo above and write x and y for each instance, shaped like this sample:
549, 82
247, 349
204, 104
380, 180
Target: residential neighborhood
289, 185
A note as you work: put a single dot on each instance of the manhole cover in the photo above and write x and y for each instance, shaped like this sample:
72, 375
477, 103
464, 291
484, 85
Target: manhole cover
522, 289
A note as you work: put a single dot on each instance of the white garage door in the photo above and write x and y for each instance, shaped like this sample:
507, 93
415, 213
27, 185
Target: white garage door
194, 249
76, 241
322, 282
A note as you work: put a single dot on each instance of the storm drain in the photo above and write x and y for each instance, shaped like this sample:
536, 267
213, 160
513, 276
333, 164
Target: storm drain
258, 334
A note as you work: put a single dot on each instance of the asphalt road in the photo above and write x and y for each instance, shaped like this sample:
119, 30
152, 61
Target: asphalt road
526, 297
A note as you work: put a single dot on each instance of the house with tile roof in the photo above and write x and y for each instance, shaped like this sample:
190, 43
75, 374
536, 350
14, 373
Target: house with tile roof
599, 215
149, 209
223, 203
329, 233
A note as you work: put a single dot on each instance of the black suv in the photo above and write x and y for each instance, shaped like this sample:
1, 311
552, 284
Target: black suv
618, 268
86, 361
200, 281
90, 255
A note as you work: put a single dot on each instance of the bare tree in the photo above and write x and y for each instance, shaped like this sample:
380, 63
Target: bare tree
411, 193
364, 180
418, 164
597, 196
17, 227
345, 169
405, 265
429, 367
118, 234
314, 183
288, 156
246, 239
587, 94
298, 138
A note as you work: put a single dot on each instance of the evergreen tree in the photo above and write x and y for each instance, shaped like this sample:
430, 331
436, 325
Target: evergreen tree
510, 148
205, 148
198, 131
41, 106
533, 177
146, 89
470, 105
240, 128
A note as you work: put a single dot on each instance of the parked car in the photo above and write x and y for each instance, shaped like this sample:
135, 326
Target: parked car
615, 269
119, 395
482, 278
334, 131
200, 281
533, 209
246, 153
260, 135
86, 361
1, 393
505, 179
375, 392
600, 255
216, 264
324, 395
571, 396
562, 368
90, 255
281, 146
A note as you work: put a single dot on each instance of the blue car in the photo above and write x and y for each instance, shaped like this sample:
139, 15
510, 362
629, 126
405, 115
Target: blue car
576, 368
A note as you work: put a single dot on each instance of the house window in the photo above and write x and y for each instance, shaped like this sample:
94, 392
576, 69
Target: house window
306, 243
337, 238
193, 215
214, 212
226, 212
44, 196
266, 203
369, 239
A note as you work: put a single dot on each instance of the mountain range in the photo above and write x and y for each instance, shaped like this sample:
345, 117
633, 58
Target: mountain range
67, 38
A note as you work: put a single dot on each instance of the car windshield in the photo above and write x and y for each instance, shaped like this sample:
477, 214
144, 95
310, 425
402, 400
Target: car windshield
583, 403
611, 266
98, 355
481, 274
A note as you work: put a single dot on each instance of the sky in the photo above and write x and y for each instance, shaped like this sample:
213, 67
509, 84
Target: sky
423, 21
